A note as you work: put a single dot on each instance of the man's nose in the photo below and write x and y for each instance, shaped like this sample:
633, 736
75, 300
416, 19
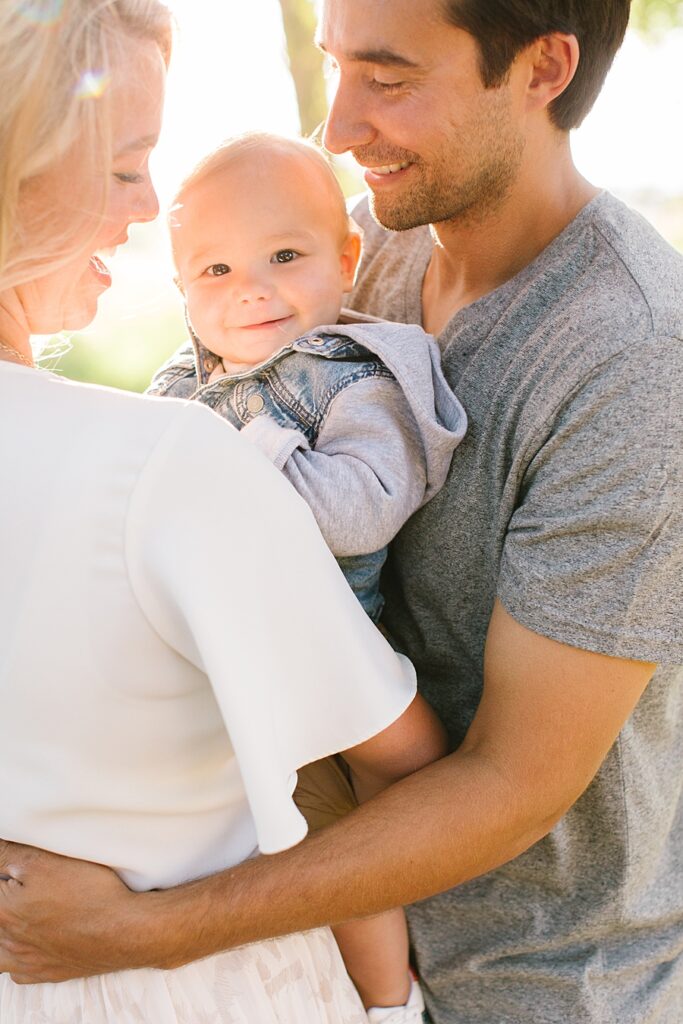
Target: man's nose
346, 127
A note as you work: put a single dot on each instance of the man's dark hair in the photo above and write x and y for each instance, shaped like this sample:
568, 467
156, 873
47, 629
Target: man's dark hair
503, 28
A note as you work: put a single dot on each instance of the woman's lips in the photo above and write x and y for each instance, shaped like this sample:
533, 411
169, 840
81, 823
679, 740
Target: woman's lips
100, 270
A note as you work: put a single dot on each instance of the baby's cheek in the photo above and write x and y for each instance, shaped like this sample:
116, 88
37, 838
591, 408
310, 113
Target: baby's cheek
200, 318
199, 304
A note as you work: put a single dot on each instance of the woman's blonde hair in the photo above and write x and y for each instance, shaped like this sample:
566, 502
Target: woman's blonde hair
55, 60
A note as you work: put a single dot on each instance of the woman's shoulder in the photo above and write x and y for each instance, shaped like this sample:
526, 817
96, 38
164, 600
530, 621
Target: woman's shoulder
106, 426
179, 448
181, 455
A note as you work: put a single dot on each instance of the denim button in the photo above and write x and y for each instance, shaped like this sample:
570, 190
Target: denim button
316, 341
255, 403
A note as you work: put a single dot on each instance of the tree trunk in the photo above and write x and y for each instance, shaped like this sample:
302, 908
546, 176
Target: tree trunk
305, 62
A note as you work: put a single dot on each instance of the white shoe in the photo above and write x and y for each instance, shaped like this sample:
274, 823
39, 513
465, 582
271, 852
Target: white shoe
409, 1013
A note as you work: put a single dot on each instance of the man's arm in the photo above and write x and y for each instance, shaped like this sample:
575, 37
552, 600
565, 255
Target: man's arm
548, 716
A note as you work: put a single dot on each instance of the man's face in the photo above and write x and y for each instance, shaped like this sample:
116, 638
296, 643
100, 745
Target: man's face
411, 108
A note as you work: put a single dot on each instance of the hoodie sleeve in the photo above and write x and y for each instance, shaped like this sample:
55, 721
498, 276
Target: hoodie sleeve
367, 473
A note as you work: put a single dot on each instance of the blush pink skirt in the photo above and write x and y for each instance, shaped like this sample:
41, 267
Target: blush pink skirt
298, 979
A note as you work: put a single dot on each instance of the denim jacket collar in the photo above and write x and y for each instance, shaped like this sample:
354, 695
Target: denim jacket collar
206, 361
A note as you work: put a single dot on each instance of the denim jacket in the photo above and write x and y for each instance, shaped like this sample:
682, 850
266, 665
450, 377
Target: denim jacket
376, 383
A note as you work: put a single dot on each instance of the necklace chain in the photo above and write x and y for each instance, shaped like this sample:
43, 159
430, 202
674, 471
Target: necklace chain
17, 355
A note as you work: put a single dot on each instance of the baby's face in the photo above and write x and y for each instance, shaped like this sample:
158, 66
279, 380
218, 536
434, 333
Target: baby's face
261, 256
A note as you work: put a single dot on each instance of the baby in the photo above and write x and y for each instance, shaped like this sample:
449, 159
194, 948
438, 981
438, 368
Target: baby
354, 411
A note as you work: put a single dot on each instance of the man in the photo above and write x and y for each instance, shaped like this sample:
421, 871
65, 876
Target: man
539, 594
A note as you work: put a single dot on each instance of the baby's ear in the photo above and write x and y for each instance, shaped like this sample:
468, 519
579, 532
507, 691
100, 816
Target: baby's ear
350, 255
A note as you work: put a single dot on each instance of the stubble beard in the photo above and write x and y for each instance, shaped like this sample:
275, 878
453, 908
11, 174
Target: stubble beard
446, 191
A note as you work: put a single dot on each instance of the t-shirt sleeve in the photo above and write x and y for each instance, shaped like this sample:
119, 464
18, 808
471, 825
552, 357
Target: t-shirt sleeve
232, 572
593, 556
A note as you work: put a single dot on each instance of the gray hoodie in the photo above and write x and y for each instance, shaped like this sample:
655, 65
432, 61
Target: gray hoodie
357, 415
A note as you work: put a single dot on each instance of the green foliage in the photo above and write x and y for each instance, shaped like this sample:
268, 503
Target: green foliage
656, 16
122, 355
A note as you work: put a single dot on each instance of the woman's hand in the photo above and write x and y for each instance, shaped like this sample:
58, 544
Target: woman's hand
61, 918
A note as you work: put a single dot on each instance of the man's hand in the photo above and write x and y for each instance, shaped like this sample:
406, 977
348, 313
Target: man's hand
50, 907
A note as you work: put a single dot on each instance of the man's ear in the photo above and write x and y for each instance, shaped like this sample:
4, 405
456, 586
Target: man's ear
350, 255
553, 60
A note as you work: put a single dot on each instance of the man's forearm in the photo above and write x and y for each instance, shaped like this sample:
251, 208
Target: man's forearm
450, 822
548, 717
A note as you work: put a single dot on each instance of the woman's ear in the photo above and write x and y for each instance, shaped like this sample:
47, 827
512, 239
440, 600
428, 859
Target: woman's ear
553, 60
350, 255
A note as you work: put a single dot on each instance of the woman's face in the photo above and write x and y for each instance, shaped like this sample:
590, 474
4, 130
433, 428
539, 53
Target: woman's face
66, 299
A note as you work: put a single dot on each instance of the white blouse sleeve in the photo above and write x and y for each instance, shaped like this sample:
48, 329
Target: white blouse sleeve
232, 572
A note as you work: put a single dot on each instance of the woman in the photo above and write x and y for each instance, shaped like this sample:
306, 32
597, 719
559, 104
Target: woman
156, 702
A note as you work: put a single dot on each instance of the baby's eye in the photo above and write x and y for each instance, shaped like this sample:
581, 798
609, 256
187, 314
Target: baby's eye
284, 256
218, 269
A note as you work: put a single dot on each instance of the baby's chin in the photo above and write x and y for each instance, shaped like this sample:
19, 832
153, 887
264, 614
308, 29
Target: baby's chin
239, 359
253, 345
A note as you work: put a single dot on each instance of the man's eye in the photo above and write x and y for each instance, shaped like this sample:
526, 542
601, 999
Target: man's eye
218, 269
387, 87
284, 256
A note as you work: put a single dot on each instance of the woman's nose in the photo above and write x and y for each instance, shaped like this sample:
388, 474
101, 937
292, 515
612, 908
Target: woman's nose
147, 205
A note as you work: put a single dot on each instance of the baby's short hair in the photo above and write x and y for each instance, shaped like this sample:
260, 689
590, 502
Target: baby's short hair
253, 144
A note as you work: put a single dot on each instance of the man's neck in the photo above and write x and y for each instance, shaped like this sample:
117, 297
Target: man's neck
474, 257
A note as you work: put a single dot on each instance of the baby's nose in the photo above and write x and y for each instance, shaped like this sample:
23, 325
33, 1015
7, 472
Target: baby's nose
252, 289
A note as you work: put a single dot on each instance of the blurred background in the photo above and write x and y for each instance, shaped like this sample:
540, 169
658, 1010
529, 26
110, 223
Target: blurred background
252, 65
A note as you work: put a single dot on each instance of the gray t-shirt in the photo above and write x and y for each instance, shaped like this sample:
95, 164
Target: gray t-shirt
565, 500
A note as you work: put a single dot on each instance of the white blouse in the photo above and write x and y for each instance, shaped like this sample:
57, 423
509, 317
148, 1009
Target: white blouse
175, 637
